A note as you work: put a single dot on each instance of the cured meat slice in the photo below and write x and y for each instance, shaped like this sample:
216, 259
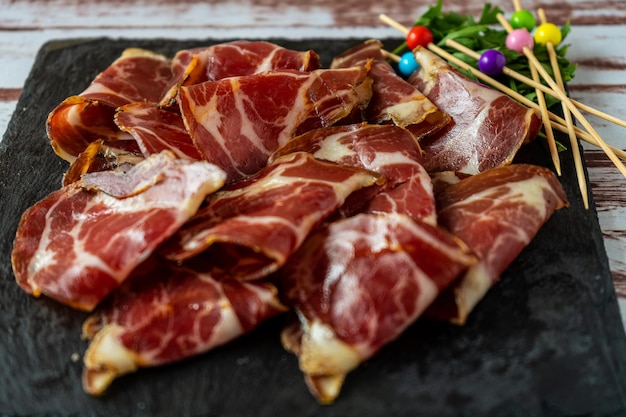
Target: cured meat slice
165, 313
137, 75
100, 156
487, 127
233, 59
250, 231
237, 122
387, 149
393, 98
156, 130
77, 122
496, 213
356, 285
82, 241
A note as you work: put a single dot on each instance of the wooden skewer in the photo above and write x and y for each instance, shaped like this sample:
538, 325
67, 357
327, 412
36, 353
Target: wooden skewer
580, 171
543, 107
547, 90
565, 99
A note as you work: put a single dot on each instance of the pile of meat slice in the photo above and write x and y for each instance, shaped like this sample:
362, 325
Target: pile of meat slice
209, 192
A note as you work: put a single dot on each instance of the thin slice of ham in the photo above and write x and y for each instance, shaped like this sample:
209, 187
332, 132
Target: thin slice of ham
166, 313
81, 241
138, 75
233, 59
237, 122
496, 213
387, 149
487, 128
100, 156
356, 285
156, 129
251, 230
393, 98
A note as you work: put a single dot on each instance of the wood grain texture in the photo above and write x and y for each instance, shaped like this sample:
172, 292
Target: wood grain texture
598, 31
347, 13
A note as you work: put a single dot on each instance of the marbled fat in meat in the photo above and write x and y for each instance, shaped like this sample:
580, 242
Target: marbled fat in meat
487, 128
252, 230
237, 122
81, 241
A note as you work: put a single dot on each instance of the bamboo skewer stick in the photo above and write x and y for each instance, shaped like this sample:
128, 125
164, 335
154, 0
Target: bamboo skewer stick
580, 172
590, 136
543, 107
565, 99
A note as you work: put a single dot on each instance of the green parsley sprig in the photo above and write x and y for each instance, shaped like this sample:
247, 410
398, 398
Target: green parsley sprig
486, 33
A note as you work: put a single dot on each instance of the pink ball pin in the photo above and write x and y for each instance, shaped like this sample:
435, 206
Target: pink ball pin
519, 39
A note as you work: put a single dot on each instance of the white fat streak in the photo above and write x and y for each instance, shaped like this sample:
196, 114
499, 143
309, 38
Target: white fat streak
266, 64
323, 353
301, 106
247, 128
99, 88
333, 149
228, 328
410, 112
211, 120
106, 359
74, 115
383, 159
473, 287
342, 189
529, 192
430, 65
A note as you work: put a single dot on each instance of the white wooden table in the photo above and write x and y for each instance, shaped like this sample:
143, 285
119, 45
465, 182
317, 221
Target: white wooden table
598, 33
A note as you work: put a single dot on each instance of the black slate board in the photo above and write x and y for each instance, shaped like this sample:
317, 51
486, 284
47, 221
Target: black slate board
546, 341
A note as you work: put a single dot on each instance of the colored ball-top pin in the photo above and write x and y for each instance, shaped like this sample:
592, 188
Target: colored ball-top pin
418, 36
519, 39
491, 62
407, 64
523, 19
548, 33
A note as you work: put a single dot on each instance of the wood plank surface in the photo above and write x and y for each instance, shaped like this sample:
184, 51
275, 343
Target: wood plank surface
598, 31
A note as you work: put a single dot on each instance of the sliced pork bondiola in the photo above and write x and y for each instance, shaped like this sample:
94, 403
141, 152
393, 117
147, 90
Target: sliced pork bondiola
237, 122
496, 213
80, 242
356, 285
156, 129
487, 128
251, 230
387, 149
233, 59
166, 313
102, 157
137, 75
393, 99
